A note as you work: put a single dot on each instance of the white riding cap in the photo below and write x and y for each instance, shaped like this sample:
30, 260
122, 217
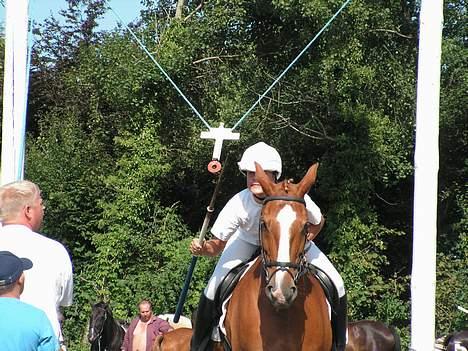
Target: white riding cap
265, 155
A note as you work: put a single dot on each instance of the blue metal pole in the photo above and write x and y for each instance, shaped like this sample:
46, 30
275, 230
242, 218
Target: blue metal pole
183, 294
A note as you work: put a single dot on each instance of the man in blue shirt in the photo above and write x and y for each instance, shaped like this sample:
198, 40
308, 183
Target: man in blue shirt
22, 326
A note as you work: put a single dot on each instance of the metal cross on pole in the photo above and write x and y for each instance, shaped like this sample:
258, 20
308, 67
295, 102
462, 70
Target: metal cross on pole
219, 135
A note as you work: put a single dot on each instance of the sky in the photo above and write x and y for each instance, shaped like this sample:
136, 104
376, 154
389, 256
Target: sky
127, 10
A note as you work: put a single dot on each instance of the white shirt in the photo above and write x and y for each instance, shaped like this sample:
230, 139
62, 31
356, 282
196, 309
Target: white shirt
49, 283
242, 214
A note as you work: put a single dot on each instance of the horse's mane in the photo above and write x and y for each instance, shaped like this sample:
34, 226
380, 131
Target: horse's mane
286, 184
284, 187
101, 304
105, 306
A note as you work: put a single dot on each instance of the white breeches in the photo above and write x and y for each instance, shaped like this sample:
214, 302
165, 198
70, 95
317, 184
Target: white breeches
238, 250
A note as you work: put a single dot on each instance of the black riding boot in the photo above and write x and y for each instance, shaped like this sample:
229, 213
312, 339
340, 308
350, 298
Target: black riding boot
340, 324
203, 325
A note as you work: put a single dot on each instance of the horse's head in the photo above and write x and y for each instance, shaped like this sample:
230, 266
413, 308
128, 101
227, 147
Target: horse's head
99, 314
283, 231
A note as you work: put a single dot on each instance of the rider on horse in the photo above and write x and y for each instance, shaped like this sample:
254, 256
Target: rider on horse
236, 235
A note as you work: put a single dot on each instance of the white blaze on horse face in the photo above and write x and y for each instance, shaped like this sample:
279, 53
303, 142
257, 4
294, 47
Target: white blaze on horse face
286, 218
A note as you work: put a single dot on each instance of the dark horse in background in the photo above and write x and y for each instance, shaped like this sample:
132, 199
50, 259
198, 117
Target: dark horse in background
104, 332
367, 335
456, 341
278, 305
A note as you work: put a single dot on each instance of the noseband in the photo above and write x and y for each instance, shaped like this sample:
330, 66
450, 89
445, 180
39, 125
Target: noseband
301, 266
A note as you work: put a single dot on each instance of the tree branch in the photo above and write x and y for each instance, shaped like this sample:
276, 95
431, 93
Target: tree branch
393, 32
198, 8
220, 57
387, 202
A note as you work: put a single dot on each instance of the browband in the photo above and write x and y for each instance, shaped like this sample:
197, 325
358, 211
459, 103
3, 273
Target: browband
284, 198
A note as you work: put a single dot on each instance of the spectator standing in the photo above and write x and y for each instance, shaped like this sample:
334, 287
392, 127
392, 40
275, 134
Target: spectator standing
22, 326
50, 281
144, 329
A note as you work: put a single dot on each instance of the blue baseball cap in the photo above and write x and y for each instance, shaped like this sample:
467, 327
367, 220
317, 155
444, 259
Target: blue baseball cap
11, 267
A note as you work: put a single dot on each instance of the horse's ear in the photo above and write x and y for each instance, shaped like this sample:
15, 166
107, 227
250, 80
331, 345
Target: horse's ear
308, 180
262, 178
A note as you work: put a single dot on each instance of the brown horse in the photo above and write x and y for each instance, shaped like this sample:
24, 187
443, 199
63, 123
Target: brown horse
278, 305
175, 340
178, 340
367, 335
184, 322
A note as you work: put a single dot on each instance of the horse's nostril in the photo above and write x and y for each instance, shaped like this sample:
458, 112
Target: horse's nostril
293, 289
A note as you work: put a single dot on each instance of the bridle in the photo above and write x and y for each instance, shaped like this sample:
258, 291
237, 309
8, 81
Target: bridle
300, 266
99, 335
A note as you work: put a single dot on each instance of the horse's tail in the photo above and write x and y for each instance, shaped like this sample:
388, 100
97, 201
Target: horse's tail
396, 337
157, 346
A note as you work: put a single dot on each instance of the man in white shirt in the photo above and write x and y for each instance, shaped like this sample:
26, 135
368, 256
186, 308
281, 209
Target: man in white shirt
50, 282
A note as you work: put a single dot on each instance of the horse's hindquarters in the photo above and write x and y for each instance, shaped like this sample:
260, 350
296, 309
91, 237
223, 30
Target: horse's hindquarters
175, 340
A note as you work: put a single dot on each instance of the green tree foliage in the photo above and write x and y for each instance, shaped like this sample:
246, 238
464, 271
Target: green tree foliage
118, 154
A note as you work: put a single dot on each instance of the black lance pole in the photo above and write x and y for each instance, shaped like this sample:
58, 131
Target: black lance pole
201, 238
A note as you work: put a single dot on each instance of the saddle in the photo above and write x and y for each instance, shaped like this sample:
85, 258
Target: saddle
224, 291
228, 284
327, 286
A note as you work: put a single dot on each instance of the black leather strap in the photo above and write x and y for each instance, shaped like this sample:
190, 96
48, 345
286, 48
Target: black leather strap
284, 198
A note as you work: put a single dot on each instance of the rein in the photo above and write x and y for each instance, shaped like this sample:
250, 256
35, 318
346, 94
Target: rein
301, 267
